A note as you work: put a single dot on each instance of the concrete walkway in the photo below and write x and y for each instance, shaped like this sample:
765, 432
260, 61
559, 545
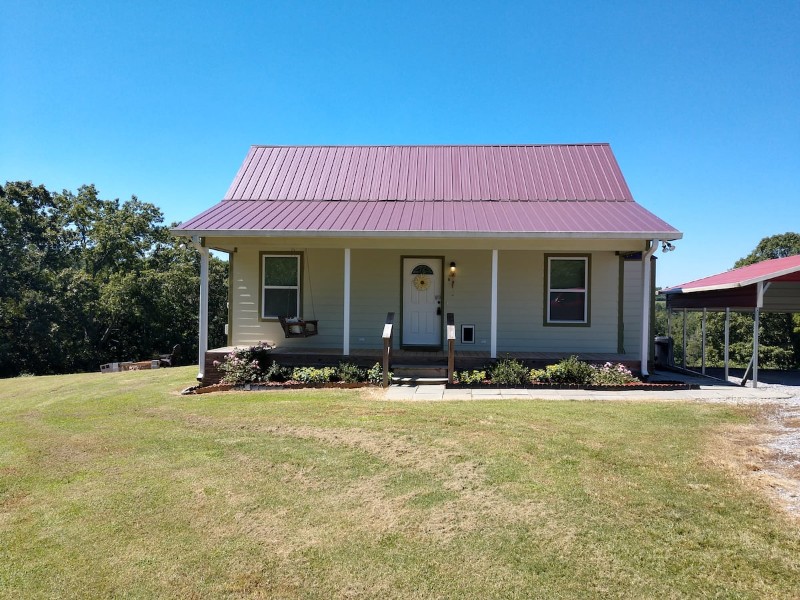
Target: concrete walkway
705, 393
710, 391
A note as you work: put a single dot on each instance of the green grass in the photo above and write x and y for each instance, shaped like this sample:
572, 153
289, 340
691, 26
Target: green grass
114, 485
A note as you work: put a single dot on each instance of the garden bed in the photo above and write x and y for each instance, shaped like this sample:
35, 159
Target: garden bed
664, 386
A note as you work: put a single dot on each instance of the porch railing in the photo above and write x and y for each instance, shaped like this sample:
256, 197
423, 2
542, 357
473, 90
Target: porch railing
387, 346
451, 346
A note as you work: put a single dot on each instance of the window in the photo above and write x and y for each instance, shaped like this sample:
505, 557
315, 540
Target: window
567, 290
280, 285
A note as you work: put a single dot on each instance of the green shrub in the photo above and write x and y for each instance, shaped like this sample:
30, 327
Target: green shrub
474, 377
313, 375
509, 371
375, 374
569, 371
350, 373
610, 374
277, 372
245, 365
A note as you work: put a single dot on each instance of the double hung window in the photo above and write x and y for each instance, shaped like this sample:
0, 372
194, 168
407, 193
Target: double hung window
280, 285
567, 290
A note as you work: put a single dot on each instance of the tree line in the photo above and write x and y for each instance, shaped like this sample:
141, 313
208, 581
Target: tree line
779, 333
86, 281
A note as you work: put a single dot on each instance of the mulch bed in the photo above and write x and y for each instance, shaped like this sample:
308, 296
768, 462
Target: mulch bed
664, 386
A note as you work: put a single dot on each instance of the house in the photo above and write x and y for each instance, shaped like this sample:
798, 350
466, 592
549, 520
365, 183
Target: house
536, 250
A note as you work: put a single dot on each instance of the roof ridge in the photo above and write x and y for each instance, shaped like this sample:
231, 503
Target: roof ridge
429, 145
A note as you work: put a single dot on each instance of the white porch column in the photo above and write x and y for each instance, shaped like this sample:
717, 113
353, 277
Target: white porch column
646, 297
346, 319
493, 348
203, 329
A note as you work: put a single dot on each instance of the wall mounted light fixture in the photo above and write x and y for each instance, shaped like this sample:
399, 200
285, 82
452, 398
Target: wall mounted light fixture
452, 276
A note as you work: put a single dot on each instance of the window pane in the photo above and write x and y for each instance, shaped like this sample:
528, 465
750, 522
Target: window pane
280, 270
567, 274
280, 303
567, 306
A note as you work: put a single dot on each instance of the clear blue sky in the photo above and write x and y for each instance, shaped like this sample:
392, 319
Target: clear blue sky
699, 100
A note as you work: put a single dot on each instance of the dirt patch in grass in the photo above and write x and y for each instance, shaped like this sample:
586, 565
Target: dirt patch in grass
465, 502
765, 455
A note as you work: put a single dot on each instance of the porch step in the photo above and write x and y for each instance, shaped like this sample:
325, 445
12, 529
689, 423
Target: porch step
429, 371
419, 380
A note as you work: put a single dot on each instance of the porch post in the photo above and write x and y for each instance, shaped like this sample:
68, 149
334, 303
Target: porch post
203, 329
346, 320
727, 339
493, 348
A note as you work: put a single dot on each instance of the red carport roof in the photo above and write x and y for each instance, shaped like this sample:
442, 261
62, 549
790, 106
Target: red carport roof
556, 189
777, 269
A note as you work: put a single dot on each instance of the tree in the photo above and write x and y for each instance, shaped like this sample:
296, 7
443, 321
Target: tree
774, 246
85, 281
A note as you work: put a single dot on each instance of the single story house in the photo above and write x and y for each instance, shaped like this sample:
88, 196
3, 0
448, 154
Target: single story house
536, 250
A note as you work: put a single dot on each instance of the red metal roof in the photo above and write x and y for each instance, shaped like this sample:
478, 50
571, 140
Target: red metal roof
542, 189
621, 219
544, 172
777, 269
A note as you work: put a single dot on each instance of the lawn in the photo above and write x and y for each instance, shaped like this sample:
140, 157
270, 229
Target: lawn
115, 485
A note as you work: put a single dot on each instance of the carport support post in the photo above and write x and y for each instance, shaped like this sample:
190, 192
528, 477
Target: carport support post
703, 346
727, 339
756, 319
683, 341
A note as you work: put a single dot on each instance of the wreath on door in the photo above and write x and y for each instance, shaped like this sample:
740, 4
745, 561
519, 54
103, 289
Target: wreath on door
422, 282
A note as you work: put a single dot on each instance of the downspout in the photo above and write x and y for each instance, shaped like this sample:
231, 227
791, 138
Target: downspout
646, 293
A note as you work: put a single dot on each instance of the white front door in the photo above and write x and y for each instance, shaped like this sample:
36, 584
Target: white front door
422, 301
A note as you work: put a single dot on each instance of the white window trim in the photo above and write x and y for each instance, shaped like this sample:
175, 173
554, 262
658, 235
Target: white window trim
585, 290
265, 287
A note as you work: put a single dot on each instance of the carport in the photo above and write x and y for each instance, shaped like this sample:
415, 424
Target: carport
768, 286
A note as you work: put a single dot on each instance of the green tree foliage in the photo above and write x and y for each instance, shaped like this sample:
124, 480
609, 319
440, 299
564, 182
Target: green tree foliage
779, 334
85, 281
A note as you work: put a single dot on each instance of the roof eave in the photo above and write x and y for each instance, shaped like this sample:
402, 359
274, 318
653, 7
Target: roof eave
628, 235
735, 284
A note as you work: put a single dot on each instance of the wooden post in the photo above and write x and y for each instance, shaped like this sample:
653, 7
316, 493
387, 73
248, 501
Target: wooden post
387, 346
451, 346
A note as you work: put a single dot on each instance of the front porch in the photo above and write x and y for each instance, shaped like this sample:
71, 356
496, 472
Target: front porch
325, 357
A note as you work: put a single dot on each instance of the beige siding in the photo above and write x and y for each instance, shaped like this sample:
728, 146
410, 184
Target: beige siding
632, 307
323, 274
521, 297
376, 290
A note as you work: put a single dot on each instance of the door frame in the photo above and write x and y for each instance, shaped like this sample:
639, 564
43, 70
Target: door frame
430, 347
